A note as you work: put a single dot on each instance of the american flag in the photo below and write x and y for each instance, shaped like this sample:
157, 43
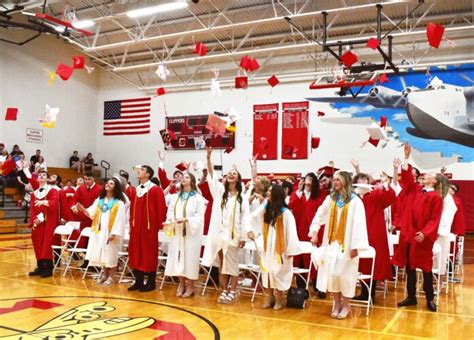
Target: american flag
127, 117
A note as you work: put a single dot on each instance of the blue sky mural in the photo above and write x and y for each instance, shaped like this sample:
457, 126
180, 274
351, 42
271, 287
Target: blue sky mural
398, 119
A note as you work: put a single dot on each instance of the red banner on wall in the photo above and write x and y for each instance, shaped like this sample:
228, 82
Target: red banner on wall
294, 134
265, 131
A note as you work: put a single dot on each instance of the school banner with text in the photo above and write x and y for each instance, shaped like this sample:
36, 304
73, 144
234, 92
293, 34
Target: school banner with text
294, 134
265, 131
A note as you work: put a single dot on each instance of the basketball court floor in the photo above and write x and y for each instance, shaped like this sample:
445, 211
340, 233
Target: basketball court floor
69, 307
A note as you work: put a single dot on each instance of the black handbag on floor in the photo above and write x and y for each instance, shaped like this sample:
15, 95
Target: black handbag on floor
296, 298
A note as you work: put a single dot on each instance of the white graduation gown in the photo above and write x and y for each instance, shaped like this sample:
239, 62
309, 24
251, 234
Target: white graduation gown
220, 229
184, 252
337, 272
99, 253
277, 272
447, 217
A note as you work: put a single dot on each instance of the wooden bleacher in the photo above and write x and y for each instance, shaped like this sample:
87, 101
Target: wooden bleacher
72, 174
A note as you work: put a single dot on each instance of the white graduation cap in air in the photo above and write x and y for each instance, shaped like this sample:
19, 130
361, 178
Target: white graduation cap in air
50, 116
162, 71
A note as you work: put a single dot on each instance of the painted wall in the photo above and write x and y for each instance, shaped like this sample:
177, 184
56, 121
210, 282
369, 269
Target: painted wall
341, 132
23, 84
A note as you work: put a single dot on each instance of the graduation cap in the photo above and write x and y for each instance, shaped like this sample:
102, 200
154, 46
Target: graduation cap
376, 134
373, 141
349, 58
64, 71
181, 166
49, 117
315, 142
383, 78
12, 113
254, 65
383, 121
167, 136
373, 43
321, 114
161, 91
200, 49
245, 62
327, 170
78, 62
241, 82
216, 124
273, 81
434, 33
162, 71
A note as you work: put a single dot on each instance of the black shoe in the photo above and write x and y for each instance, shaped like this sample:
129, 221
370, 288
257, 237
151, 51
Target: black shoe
138, 284
361, 297
431, 305
38, 270
150, 283
48, 268
85, 264
322, 295
408, 302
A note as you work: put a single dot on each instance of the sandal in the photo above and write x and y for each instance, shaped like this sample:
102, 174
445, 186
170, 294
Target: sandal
108, 282
230, 298
222, 297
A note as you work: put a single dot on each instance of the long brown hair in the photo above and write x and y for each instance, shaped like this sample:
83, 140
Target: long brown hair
346, 180
442, 185
275, 205
238, 187
193, 183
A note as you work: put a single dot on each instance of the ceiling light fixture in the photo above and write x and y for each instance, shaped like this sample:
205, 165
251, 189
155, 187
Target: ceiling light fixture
136, 13
83, 24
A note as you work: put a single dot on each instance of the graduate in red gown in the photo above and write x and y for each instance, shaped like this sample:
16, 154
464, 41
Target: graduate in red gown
458, 227
375, 200
170, 186
304, 203
85, 195
44, 219
419, 231
68, 199
147, 214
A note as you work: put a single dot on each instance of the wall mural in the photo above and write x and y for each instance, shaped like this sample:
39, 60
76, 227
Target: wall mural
433, 110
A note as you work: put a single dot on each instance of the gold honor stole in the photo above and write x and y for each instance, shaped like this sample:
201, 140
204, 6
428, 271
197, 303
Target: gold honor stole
337, 229
96, 221
280, 236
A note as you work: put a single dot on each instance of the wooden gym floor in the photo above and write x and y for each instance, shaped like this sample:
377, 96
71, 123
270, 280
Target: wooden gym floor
67, 307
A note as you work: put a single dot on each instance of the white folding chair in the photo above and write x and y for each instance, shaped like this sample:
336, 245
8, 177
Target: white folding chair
251, 268
458, 275
206, 271
64, 232
162, 256
304, 273
451, 260
367, 254
76, 252
123, 261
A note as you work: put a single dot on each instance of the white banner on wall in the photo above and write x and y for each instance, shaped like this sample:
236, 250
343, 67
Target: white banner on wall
34, 136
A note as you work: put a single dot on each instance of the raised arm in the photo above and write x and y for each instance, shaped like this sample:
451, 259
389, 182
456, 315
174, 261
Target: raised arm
355, 164
210, 166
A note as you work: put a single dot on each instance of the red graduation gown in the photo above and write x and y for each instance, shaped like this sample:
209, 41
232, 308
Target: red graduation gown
206, 193
131, 192
67, 199
164, 181
459, 223
304, 211
374, 203
42, 236
422, 212
147, 214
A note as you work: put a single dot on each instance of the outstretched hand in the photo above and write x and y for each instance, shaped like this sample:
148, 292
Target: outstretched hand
209, 151
407, 150
161, 155
355, 163
396, 163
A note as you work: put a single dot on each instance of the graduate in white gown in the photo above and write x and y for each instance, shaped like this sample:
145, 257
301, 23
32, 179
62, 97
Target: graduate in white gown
447, 217
276, 231
226, 228
108, 224
185, 225
345, 235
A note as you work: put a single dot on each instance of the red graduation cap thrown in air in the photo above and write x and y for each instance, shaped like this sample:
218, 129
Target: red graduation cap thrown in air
349, 58
373, 43
434, 33
315, 142
161, 91
12, 113
273, 81
78, 62
241, 82
64, 71
200, 49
